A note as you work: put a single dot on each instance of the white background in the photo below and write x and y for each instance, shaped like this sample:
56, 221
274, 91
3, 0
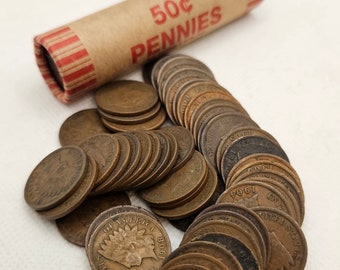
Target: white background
282, 62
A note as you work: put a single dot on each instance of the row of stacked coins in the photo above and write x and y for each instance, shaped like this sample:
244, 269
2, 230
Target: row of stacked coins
243, 154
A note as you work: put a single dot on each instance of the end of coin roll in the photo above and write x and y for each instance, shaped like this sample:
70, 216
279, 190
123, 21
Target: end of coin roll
64, 64
253, 4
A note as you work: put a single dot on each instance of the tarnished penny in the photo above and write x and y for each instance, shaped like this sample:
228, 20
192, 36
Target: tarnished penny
253, 194
105, 149
178, 186
186, 144
193, 258
56, 177
152, 123
74, 226
197, 203
243, 254
289, 247
119, 169
245, 147
76, 197
80, 126
212, 249
126, 97
237, 134
126, 240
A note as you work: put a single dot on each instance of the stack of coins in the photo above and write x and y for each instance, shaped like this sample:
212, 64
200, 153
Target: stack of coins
254, 167
126, 237
129, 105
61, 182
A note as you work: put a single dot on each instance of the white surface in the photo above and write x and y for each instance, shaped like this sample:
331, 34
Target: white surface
282, 62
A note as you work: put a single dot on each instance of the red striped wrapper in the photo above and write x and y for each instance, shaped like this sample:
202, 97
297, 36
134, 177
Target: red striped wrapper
96, 49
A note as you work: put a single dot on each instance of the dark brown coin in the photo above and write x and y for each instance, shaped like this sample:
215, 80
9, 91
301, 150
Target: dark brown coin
237, 134
196, 204
128, 239
126, 98
80, 126
243, 254
192, 258
186, 144
56, 177
147, 70
212, 249
150, 124
105, 150
123, 162
74, 226
156, 70
76, 197
216, 128
253, 194
245, 147
179, 186
289, 247
134, 119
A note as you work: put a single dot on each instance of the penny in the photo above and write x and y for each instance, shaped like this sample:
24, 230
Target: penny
237, 134
193, 258
126, 98
126, 240
80, 126
186, 144
253, 194
214, 130
77, 197
105, 150
243, 254
123, 161
212, 249
151, 124
187, 266
290, 199
146, 153
134, 119
245, 147
56, 177
178, 186
289, 247
73, 227
135, 158
147, 70
253, 237
195, 204
156, 70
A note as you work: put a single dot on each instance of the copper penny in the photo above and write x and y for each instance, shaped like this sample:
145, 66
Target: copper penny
74, 226
243, 254
289, 247
186, 144
105, 150
131, 119
150, 124
119, 169
126, 240
197, 203
80, 126
56, 177
194, 258
76, 197
245, 147
212, 249
178, 186
126, 98
216, 128
237, 134
253, 194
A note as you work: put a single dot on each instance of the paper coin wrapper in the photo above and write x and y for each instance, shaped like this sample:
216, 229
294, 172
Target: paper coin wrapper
85, 54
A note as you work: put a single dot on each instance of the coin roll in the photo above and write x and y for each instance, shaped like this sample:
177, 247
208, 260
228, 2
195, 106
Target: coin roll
87, 53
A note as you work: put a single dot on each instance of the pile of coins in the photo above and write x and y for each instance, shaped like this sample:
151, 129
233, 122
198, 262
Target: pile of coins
129, 105
126, 237
254, 167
